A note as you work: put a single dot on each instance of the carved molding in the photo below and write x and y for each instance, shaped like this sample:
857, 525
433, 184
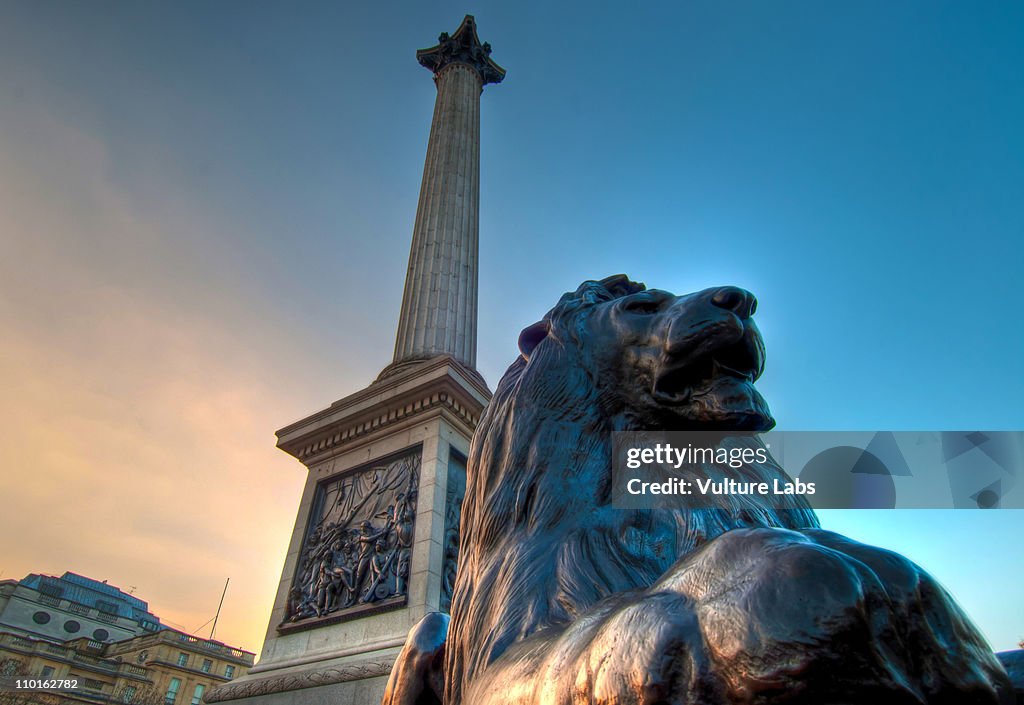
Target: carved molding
435, 400
370, 668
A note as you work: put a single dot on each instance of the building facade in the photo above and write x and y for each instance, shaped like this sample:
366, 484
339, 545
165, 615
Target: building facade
183, 666
70, 607
167, 667
106, 640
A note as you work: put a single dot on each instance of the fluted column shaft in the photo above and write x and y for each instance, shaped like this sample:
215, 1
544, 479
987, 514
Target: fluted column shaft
439, 305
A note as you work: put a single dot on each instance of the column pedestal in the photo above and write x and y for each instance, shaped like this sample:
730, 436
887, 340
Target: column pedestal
390, 453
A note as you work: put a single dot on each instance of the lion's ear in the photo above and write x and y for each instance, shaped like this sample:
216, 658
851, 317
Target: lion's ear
532, 335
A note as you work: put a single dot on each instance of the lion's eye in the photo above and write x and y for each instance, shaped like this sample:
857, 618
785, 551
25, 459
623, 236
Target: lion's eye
642, 305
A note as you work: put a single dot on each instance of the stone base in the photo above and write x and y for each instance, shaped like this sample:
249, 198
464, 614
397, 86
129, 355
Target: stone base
368, 691
350, 682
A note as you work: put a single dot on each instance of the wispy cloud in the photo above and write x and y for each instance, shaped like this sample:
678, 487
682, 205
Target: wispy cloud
138, 427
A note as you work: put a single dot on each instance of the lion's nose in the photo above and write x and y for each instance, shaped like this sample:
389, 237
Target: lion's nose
739, 301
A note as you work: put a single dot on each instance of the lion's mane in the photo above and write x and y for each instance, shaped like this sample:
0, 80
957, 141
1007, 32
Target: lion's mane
540, 539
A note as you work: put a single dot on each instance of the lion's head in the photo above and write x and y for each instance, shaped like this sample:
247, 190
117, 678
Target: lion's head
654, 359
540, 539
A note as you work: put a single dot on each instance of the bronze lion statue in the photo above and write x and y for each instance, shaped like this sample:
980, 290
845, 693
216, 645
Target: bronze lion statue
562, 598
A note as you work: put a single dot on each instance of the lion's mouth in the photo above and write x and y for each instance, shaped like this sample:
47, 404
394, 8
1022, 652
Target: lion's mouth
725, 366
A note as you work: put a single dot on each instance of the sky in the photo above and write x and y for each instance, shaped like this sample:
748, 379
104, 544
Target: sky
207, 209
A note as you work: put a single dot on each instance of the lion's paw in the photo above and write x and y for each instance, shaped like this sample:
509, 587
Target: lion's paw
785, 613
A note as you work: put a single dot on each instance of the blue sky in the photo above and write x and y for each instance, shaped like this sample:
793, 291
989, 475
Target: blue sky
208, 209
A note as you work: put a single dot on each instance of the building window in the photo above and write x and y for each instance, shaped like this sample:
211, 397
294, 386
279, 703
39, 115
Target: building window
207, 665
41, 617
182, 659
101, 635
128, 693
197, 697
51, 588
92, 684
229, 671
47, 671
108, 607
71, 626
172, 691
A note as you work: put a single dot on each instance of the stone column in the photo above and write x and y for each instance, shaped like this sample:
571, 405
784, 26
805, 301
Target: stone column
390, 459
439, 305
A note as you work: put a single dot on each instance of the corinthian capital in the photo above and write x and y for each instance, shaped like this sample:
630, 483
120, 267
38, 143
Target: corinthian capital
463, 47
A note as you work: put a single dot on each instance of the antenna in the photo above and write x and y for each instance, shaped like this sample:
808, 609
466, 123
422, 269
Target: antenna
217, 616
